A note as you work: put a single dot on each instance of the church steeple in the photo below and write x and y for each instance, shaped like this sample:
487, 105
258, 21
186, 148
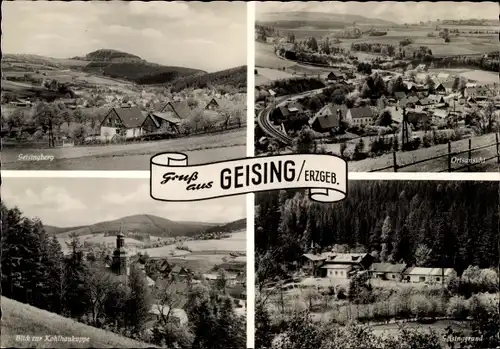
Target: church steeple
120, 254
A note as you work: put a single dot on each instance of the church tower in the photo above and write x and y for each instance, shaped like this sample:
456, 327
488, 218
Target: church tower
120, 255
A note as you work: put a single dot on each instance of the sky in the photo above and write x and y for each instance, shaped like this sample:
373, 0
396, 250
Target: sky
398, 12
69, 202
197, 35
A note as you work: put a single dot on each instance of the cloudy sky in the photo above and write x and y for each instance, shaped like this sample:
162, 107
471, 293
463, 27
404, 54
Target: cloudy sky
401, 12
73, 201
208, 36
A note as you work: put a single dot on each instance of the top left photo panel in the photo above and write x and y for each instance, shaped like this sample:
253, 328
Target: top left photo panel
107, 85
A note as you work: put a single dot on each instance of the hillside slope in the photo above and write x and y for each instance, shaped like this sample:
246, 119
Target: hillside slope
123, 65
234, 77
147, 224
318, 20
23, 319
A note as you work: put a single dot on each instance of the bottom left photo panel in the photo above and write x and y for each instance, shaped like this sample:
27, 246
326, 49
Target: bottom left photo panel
98, 263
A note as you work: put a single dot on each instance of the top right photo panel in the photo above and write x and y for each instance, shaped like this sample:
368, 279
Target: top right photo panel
388, 86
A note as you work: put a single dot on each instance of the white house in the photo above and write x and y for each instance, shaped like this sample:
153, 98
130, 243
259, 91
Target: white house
360, 116
341, 271
125, 121
428, 275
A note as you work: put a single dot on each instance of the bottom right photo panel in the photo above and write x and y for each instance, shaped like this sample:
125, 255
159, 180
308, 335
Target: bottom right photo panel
396, 264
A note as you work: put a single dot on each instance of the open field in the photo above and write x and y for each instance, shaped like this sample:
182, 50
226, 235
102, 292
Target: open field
436, 165
480, 76
265, 57
134, 156
23, 319
235, 243
266, 75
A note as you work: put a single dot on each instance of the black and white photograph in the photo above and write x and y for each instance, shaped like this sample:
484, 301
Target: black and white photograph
397, 264
389, 86
97, 263
105, 85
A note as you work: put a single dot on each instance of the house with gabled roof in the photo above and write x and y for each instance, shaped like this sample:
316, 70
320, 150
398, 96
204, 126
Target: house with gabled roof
328, 117
177, 109
124, 121
387, 271
360, 116
428, 275
345, 265
400, 95
158, 122
212, 105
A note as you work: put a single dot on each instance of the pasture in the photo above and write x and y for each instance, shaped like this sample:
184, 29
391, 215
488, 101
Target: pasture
132, 156
479, 76
265, 57
266, 75
235, 243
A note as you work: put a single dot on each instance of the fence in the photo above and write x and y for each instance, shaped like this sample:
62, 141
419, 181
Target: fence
449, 155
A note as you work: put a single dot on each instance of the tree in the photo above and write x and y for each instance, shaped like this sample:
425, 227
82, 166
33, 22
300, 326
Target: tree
99, 284
139, 302
385, 118
422, 255
48, 117
304, 142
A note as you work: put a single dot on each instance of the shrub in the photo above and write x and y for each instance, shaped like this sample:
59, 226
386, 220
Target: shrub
458, 308
426, 141
421, 306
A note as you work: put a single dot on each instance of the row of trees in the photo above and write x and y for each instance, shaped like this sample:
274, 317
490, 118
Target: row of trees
35, 271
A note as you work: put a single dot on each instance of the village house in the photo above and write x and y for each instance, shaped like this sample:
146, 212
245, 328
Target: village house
176, 109
157, 122
180, 273
126, 122
176, 316
360, 116
477, 92
345, 265
212, 105
387, 271
428, 275
284, 112
328, 117
333, 77
311, 263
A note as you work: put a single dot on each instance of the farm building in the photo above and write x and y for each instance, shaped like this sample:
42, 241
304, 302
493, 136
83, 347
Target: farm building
360, 116
212, 105
387, 271
284, 112
448, 85
179, 110
328, 117
396, 114
428, 275
435, 99
343, 265
157, 122
335, 77
126, 122
439, 88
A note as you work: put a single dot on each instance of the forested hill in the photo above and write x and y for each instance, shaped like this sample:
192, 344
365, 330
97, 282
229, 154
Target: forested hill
428, 224
127, 66
234, 77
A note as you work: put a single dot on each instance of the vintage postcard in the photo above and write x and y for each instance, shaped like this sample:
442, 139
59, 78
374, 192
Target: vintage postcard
106, 85
388, 86
97, 263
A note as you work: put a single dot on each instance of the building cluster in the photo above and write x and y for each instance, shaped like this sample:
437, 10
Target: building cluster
423, 102
119, 264
130, 121
346, 265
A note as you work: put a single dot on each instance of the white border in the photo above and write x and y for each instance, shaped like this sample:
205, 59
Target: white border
250, 302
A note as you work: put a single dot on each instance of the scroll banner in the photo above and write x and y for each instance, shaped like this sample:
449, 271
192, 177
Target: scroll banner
173, 179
